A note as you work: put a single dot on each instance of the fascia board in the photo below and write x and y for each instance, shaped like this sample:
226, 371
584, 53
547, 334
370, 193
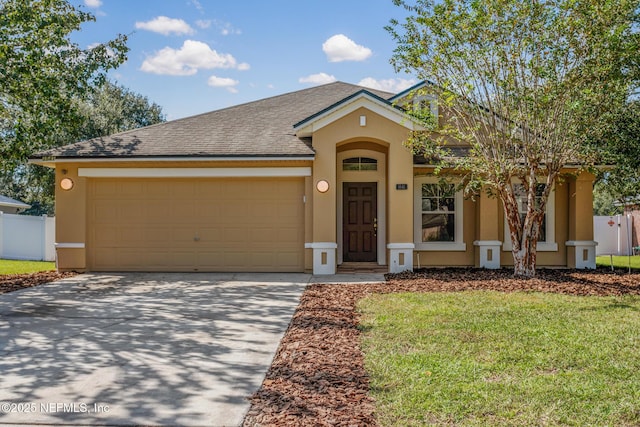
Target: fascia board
362, 101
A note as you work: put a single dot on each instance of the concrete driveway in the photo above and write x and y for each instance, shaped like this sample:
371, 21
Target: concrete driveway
150, 349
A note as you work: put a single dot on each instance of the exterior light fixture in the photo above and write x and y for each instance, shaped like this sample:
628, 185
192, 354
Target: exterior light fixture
66, 184
322, 186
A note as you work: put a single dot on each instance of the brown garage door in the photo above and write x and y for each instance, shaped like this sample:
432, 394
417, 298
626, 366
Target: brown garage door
196, 224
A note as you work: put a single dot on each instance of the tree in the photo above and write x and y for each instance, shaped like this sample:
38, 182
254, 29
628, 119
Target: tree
525, 84
620, 181
112, 108
43, 74
105, 110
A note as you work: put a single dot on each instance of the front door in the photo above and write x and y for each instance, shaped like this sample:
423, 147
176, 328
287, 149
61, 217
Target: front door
360, 221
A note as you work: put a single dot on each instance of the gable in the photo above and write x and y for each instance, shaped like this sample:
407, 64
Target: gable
361, 100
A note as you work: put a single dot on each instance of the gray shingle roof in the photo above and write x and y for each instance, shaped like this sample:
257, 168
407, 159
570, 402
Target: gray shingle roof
8, 201
255, 129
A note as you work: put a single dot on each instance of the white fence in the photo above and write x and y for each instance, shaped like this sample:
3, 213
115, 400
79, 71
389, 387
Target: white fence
27, 237
613, 234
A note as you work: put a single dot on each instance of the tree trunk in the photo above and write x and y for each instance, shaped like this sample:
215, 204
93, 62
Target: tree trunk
524, 262
524, 236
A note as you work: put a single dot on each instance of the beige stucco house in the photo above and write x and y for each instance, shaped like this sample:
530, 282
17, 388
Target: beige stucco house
306, 181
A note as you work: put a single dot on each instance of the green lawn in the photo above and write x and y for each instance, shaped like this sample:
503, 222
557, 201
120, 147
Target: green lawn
487, 358
619, 261
20, 267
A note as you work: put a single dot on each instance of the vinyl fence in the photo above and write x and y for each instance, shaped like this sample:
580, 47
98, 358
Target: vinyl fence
27, 237
613, 234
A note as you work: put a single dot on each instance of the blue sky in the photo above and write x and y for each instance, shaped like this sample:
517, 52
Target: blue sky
194, 56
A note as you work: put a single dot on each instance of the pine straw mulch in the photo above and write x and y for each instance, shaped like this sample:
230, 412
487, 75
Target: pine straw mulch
14, 282
317, 376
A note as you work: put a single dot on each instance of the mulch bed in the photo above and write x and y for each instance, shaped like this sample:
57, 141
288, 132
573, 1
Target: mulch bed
13, 282
317, 376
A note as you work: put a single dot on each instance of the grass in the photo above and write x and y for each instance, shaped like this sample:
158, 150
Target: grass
23, 267
619, 261
488, 358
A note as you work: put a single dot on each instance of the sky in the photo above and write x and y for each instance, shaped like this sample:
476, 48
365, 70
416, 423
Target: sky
195, 56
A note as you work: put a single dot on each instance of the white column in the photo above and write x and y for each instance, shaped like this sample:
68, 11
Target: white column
400, 257
585, 253
324, 257
489, 253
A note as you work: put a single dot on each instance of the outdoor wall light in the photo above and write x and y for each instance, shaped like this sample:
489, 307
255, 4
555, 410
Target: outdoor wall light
322, 186
66, 184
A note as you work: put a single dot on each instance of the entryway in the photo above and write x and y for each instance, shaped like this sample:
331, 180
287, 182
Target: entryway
360, 221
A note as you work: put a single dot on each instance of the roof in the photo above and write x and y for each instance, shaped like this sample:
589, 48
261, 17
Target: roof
8, 201
262, 128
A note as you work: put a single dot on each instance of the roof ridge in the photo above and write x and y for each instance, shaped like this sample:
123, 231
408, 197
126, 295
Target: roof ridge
127, 132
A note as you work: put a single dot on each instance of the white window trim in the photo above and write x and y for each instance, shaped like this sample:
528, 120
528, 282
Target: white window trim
433, 103
548, 245
458, 244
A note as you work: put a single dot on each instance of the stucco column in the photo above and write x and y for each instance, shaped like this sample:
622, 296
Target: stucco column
324, 242
487, 245
400, 208
71, 238
580, 246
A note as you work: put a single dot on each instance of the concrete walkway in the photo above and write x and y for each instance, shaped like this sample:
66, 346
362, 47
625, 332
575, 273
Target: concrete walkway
143, 349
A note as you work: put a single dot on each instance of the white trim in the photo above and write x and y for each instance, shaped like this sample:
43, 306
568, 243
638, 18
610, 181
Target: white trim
459, 244
362, 100
18, 205
193, 172
320, 245
69, 245
441, 246
487, 243
169, 159
549, 244
401, 246
581, 243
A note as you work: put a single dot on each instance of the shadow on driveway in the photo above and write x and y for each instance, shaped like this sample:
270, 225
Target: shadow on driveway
126, 349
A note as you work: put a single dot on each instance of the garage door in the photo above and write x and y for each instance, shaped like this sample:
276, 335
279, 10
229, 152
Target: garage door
196, 225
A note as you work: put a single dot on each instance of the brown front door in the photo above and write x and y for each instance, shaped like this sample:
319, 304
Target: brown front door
360, 221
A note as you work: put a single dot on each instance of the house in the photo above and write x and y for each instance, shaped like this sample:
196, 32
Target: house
305, 181
12, 206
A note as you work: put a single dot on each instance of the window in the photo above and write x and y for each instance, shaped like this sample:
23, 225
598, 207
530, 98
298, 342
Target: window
359, 164
426, 107
438, 216
547, 237
438, 213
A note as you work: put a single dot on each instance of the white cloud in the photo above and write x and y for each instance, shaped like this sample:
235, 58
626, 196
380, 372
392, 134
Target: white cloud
186, 61
387, 85
244, 66
110, 51
227, 28
93, 3
224, 82
340, 48
203, 23
166, 26
197, 5
318, 79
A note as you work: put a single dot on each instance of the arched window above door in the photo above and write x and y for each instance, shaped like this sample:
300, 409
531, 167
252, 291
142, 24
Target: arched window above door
360, 164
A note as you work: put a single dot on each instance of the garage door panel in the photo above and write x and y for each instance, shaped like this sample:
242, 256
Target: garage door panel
264, 236
289, 236
289, 260
196, 224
